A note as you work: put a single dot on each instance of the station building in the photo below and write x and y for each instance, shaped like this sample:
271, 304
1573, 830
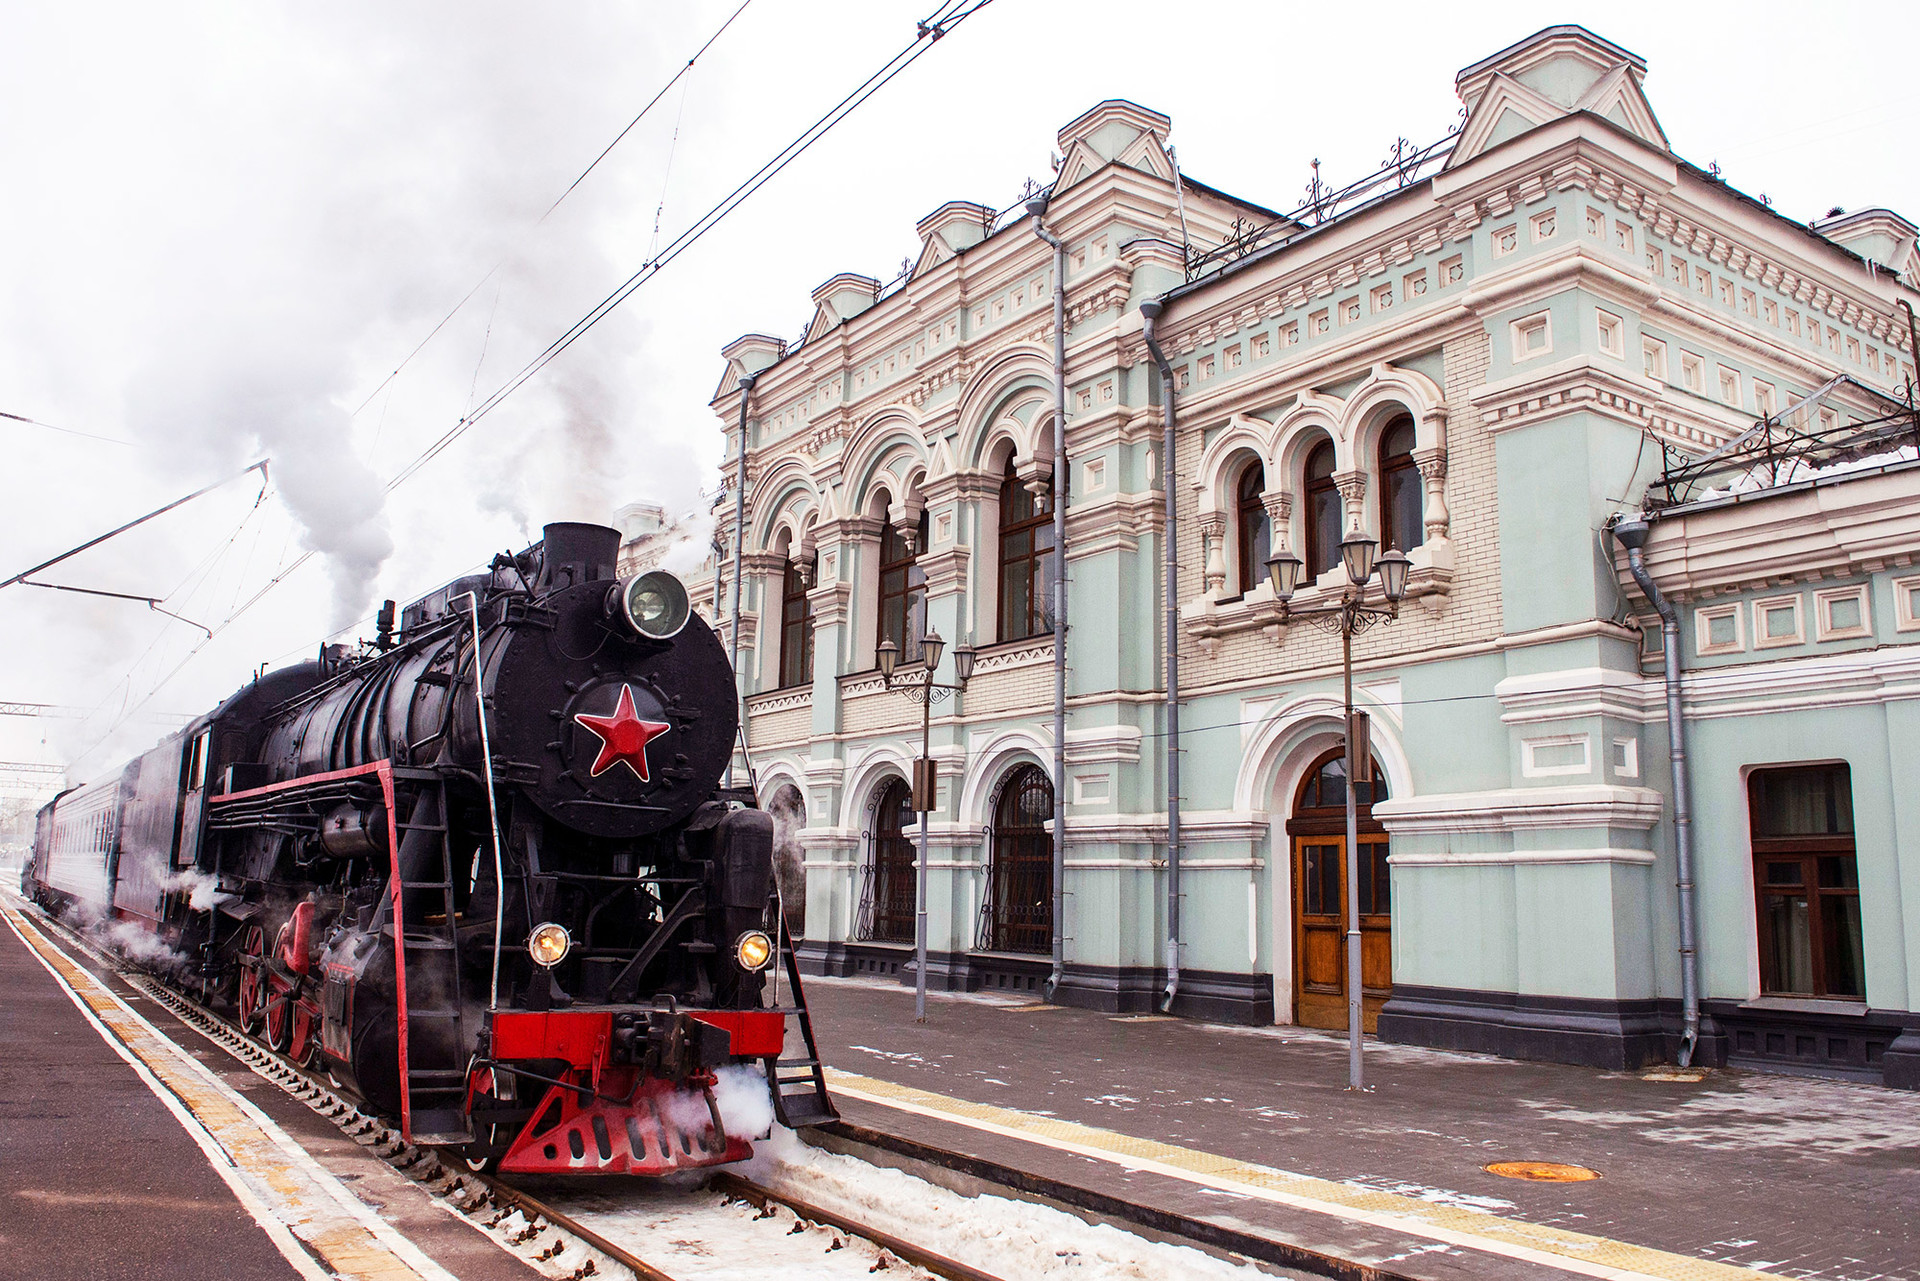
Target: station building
1480, 356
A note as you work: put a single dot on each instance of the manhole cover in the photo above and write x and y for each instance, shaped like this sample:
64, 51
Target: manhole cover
1542, 1171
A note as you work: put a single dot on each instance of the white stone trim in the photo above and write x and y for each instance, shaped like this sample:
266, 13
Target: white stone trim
1823, 602
1519, 858
1531, 750
1703, 620
1854, 679
1906, 604
1771, 604
1578, 692
1517, 809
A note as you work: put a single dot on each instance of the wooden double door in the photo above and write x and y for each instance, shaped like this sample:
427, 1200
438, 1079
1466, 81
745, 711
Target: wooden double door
1317, 832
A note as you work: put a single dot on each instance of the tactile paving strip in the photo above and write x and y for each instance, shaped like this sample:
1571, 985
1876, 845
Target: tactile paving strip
1593, 1256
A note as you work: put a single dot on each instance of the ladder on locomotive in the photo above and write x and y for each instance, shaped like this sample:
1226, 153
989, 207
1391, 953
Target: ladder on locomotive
799, 1085
438, 1048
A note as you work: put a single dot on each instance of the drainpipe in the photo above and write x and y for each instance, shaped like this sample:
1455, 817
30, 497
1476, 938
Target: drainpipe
1632, 533
739, 539
1038, 207
1150, 312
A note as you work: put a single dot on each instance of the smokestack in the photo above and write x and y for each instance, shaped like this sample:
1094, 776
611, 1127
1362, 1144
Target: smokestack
574, 552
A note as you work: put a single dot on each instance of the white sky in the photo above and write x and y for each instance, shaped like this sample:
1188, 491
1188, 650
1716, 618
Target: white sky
224, 224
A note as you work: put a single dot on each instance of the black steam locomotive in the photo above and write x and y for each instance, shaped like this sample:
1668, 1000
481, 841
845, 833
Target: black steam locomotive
479, 870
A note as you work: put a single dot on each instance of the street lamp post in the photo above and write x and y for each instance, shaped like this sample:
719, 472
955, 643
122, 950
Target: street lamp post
926, 691
1349, 616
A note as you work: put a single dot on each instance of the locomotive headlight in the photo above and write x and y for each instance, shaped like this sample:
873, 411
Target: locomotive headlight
548, 945
753, 950
654, 604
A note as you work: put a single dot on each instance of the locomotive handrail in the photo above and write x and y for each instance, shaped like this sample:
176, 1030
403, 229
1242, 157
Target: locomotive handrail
493, 804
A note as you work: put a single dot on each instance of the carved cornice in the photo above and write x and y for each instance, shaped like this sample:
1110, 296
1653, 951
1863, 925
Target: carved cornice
779, 700
1582, 386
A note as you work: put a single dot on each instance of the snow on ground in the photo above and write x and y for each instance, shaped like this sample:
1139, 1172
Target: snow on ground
1006, 1237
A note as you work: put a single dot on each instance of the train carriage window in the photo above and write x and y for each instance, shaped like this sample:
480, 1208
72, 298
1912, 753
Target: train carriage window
197, 760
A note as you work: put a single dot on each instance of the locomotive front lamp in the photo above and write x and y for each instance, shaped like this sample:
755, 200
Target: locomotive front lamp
655, 604
753, 950
1394, 567
1283, 571
1356, 551
548, 945
931, 647
889, 656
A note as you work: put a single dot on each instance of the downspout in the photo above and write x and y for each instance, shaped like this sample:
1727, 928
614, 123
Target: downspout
1038, 207
1150, 312
1632, 533
739, 538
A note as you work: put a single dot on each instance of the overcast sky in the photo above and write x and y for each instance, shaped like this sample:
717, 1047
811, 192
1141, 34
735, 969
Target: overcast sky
225, 224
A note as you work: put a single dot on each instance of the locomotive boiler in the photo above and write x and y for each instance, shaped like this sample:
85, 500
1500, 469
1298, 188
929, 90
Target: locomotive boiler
479, 870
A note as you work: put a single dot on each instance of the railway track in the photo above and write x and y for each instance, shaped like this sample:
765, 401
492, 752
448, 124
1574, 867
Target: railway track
566, 1234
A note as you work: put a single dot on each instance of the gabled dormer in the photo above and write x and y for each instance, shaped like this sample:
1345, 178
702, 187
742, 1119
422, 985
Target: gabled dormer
1551, 74
747, 354
1878, 235
951, 229
841, 298
1115, 130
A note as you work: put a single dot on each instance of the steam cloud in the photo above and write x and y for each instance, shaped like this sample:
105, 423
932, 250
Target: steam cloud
789, 812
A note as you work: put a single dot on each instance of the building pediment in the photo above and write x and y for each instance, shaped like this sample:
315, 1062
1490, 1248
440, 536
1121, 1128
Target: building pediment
1560, 72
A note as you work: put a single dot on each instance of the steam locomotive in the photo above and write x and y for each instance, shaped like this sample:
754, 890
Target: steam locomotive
480, 870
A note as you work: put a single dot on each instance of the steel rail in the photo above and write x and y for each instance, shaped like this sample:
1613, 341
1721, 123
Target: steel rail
533, 1210
938, 1264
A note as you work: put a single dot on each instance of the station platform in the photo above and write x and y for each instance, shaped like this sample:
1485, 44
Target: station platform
131, 1148
1726, 1176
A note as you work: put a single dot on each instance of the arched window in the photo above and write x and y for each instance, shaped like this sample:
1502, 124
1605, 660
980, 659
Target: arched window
1026, 560
796, 627
1400, 515
887, 899
903, 591
1019, 907
1323, 512
1252, 530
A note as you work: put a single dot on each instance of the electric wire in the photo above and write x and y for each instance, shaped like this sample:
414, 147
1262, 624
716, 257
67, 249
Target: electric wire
949, 15
65, 431
930, 31
491, 271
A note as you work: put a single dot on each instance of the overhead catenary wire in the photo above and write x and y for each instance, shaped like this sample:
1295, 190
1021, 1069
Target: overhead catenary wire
930, 30
24, 574
65, 431
558, 201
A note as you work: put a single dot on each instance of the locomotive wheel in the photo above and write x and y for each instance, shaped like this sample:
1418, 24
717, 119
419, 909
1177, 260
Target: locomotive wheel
279, 1016
253, 948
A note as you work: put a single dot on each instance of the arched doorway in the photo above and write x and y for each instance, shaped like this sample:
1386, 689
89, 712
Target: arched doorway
887, 898
1317, 831
1017, 915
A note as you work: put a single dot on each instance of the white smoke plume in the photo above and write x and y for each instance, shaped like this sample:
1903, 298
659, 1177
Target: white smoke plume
203, 889
746, 1106
788, 809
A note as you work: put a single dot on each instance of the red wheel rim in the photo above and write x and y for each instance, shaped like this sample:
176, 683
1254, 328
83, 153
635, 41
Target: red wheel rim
253, 945
279, 1016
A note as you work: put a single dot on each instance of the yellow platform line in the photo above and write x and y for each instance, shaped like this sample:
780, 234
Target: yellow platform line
322, 1228
1576, 1252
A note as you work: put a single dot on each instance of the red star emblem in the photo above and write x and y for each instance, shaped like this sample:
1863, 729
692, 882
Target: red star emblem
623, 737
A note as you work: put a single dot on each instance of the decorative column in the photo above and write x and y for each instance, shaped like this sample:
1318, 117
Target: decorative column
1433, 476
1353, 489
1213, 537
1279, 505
